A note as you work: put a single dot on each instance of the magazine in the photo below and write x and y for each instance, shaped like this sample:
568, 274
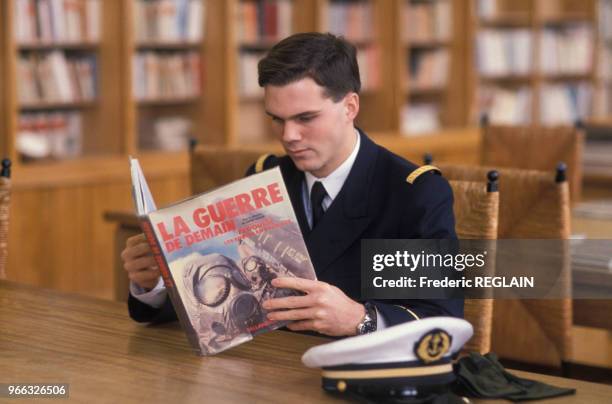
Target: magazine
218, 253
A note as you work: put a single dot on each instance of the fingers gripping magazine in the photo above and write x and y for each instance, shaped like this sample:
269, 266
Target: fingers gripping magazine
218, 253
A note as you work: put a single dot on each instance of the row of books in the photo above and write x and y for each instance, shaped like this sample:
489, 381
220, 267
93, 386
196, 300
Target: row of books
420, 118
169, 20
428, 68
506, 106
165, 75
427, 21
268, 20
167, 133
502, 52
248, 85
544, 9
567, 50
560, 104
368, 59
353, 20
49, 135
564, 104
55, 77
49, 21
489, 9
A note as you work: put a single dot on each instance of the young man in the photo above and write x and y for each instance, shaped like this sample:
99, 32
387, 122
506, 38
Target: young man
343, 188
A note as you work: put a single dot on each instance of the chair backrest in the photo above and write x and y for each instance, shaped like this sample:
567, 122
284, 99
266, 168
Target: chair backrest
476, 210
214, 166
5, 199
536, 148
532, 205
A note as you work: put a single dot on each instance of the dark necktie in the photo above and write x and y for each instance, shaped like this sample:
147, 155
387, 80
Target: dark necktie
317, 194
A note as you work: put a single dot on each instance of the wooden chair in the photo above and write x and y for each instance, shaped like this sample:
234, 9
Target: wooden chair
535, 148
532, 205
476, 210
214, 166
5, 199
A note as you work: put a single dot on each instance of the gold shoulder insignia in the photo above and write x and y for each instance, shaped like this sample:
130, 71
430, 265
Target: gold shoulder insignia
416, 173
433, 346
259, 165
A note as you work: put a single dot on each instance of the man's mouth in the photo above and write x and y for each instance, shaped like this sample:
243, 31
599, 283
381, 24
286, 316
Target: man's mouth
297, 152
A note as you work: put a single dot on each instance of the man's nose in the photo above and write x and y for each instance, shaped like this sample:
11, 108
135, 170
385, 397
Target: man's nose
291, 132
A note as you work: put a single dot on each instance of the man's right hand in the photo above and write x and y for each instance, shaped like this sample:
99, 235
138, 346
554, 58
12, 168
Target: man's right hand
139, 263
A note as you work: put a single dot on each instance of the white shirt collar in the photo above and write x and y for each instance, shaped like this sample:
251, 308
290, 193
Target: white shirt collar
333, 182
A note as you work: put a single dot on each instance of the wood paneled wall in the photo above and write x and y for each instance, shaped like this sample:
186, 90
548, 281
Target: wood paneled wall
58, 238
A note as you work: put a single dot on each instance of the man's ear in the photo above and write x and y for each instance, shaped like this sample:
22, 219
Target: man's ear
351, 105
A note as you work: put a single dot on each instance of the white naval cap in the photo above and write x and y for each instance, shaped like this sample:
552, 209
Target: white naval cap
413, 356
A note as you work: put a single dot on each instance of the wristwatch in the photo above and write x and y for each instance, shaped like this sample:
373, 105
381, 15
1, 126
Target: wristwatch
368, 323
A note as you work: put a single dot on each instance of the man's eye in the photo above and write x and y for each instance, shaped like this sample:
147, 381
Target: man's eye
305, 119
277, 120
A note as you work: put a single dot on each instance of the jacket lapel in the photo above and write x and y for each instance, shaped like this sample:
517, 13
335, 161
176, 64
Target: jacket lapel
347, 217
294, 180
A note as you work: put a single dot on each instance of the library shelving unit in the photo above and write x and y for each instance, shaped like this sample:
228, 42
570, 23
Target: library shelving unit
494, 80
58, 67
166, 48
573, 26
124, 116
535, 61
430, 51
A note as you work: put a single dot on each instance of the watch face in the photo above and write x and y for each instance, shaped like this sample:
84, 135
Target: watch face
367, 327
368, 324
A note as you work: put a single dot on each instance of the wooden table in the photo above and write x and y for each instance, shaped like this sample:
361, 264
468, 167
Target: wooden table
47, 336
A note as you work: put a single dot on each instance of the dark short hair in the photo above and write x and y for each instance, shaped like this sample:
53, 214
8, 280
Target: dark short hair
329, 60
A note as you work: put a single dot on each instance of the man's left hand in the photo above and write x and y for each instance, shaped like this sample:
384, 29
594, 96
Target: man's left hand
324, 308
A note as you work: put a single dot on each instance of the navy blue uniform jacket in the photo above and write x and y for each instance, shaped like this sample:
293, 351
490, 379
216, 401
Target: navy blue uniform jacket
374, 202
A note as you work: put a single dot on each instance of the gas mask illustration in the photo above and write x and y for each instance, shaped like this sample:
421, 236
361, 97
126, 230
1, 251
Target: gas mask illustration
226, 295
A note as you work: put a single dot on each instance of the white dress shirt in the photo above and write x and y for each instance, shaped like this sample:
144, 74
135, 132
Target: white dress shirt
332, 183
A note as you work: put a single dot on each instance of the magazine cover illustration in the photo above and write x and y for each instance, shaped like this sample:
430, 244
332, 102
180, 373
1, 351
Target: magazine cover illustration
222, 250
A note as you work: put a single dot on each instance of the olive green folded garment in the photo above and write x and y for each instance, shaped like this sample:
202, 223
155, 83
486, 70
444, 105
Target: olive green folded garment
484, 377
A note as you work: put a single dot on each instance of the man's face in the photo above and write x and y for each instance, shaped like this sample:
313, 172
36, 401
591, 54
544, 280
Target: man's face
316, 132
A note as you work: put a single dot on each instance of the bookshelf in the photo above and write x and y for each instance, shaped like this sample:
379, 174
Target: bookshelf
430, 44
55, 50
167, 55
535, 62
